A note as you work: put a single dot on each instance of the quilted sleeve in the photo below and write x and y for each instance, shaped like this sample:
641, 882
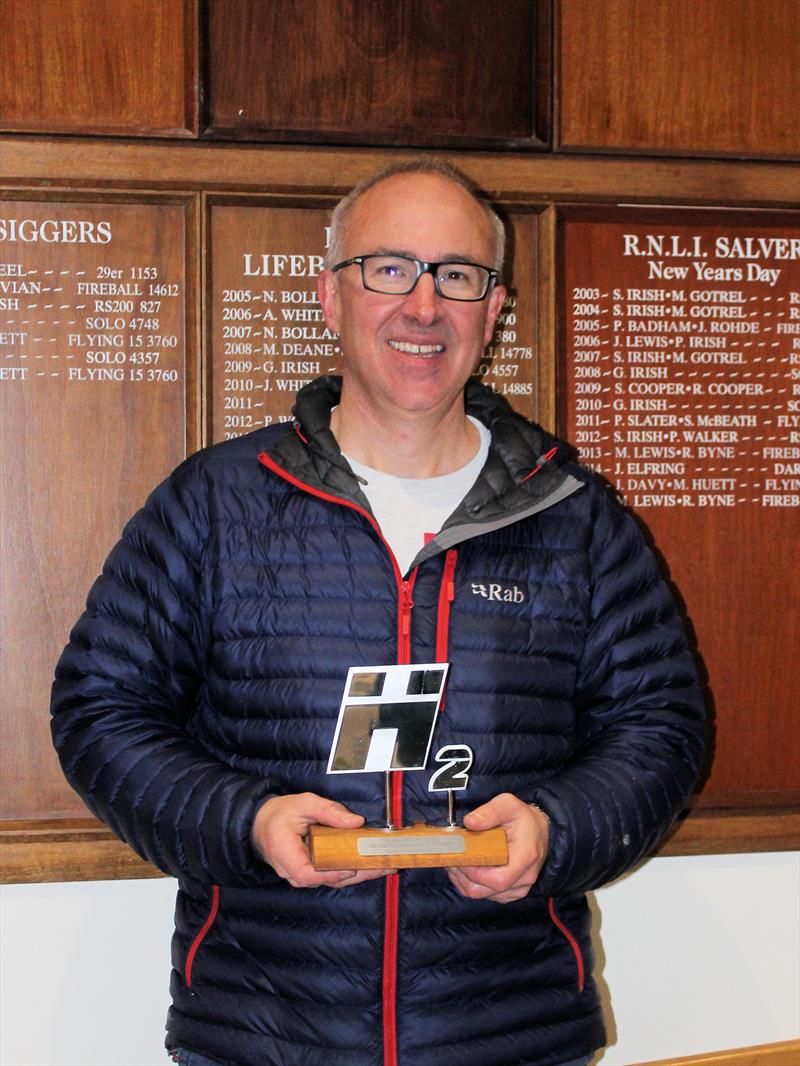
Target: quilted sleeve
640, 721
123, 692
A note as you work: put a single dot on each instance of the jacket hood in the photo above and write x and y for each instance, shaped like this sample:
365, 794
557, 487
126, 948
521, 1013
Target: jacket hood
504, 491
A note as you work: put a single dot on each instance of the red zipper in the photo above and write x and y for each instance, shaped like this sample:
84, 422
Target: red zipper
447, 592
405, 605
446, 595
198, 940
390, 971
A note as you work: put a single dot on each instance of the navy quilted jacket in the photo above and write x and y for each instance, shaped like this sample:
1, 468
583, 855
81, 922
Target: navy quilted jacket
206, 675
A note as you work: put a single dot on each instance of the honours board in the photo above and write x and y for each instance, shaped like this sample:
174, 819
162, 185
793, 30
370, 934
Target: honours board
681, 386
92, 416
268, 336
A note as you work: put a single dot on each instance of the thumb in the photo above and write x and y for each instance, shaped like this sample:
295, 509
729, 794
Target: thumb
336, 815
498, 811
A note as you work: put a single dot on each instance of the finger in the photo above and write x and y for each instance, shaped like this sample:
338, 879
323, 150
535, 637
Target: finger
466, 886
361, 876
508, 897
472, 890
293, 862
494, 878
292, 859
308, 877
335, 878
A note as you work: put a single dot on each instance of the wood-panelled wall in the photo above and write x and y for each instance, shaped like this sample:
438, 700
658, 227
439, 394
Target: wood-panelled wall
546, 96
638, 76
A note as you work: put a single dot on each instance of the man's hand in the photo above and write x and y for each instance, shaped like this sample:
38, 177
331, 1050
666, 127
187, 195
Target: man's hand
279, 832
526, 829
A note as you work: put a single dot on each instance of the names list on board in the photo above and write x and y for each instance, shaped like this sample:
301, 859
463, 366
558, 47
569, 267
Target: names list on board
87, 296
683, 370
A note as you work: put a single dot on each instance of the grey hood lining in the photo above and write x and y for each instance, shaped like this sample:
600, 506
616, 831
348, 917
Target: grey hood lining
457, 534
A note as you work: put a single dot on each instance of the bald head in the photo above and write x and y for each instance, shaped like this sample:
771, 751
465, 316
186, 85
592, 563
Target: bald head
423, 165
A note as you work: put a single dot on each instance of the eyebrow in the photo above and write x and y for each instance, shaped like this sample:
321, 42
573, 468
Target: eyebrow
449, 257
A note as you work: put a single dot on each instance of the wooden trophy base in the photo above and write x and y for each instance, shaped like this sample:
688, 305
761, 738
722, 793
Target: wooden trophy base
416, 846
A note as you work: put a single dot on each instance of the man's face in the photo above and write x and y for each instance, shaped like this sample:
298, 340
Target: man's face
411, 353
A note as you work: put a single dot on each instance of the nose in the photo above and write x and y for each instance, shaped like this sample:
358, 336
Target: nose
422, 303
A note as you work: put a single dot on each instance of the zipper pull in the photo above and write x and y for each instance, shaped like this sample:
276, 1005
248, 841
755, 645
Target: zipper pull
406, 603
450, 570
540, 463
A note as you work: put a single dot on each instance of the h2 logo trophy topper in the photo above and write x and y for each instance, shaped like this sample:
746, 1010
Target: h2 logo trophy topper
386, 722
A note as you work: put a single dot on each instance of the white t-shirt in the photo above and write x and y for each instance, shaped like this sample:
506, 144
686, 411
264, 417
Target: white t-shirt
408, 508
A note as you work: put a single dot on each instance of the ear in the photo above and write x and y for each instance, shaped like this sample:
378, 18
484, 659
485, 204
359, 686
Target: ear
328, 293
497, 297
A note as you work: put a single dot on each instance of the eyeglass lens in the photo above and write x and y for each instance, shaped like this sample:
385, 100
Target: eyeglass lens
398, 275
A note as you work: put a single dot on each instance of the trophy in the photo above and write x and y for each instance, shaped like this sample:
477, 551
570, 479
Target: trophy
386, 722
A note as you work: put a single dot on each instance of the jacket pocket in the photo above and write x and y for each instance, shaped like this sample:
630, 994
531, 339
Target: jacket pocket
203, 932
573, 943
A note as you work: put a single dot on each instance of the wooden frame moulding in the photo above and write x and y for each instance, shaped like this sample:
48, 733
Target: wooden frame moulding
74, 168
782, 1054
102, 163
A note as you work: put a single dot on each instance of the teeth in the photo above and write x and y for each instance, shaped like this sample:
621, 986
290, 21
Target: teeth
416, 349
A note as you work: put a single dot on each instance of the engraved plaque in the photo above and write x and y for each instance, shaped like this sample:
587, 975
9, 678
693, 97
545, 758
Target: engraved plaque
511, 359
419, 844
92, 405
681, 385
268, 336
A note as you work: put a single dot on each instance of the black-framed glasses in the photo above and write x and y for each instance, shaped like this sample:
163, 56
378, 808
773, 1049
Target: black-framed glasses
397, 275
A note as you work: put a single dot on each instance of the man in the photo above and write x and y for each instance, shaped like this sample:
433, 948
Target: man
195, 705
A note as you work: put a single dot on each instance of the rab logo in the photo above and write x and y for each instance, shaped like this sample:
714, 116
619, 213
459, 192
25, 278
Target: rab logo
493, 590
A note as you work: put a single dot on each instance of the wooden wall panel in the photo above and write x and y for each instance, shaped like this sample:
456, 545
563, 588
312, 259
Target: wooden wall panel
412, 72
93, 413
679, 76
254, 199
99, 66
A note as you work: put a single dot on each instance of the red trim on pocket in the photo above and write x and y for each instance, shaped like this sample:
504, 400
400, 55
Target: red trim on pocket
573, 943
198, 940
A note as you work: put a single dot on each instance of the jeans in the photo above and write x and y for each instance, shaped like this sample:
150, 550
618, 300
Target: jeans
191, 1058
194, 1058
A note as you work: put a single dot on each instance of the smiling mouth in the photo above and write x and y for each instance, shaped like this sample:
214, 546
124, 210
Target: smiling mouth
416, 349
